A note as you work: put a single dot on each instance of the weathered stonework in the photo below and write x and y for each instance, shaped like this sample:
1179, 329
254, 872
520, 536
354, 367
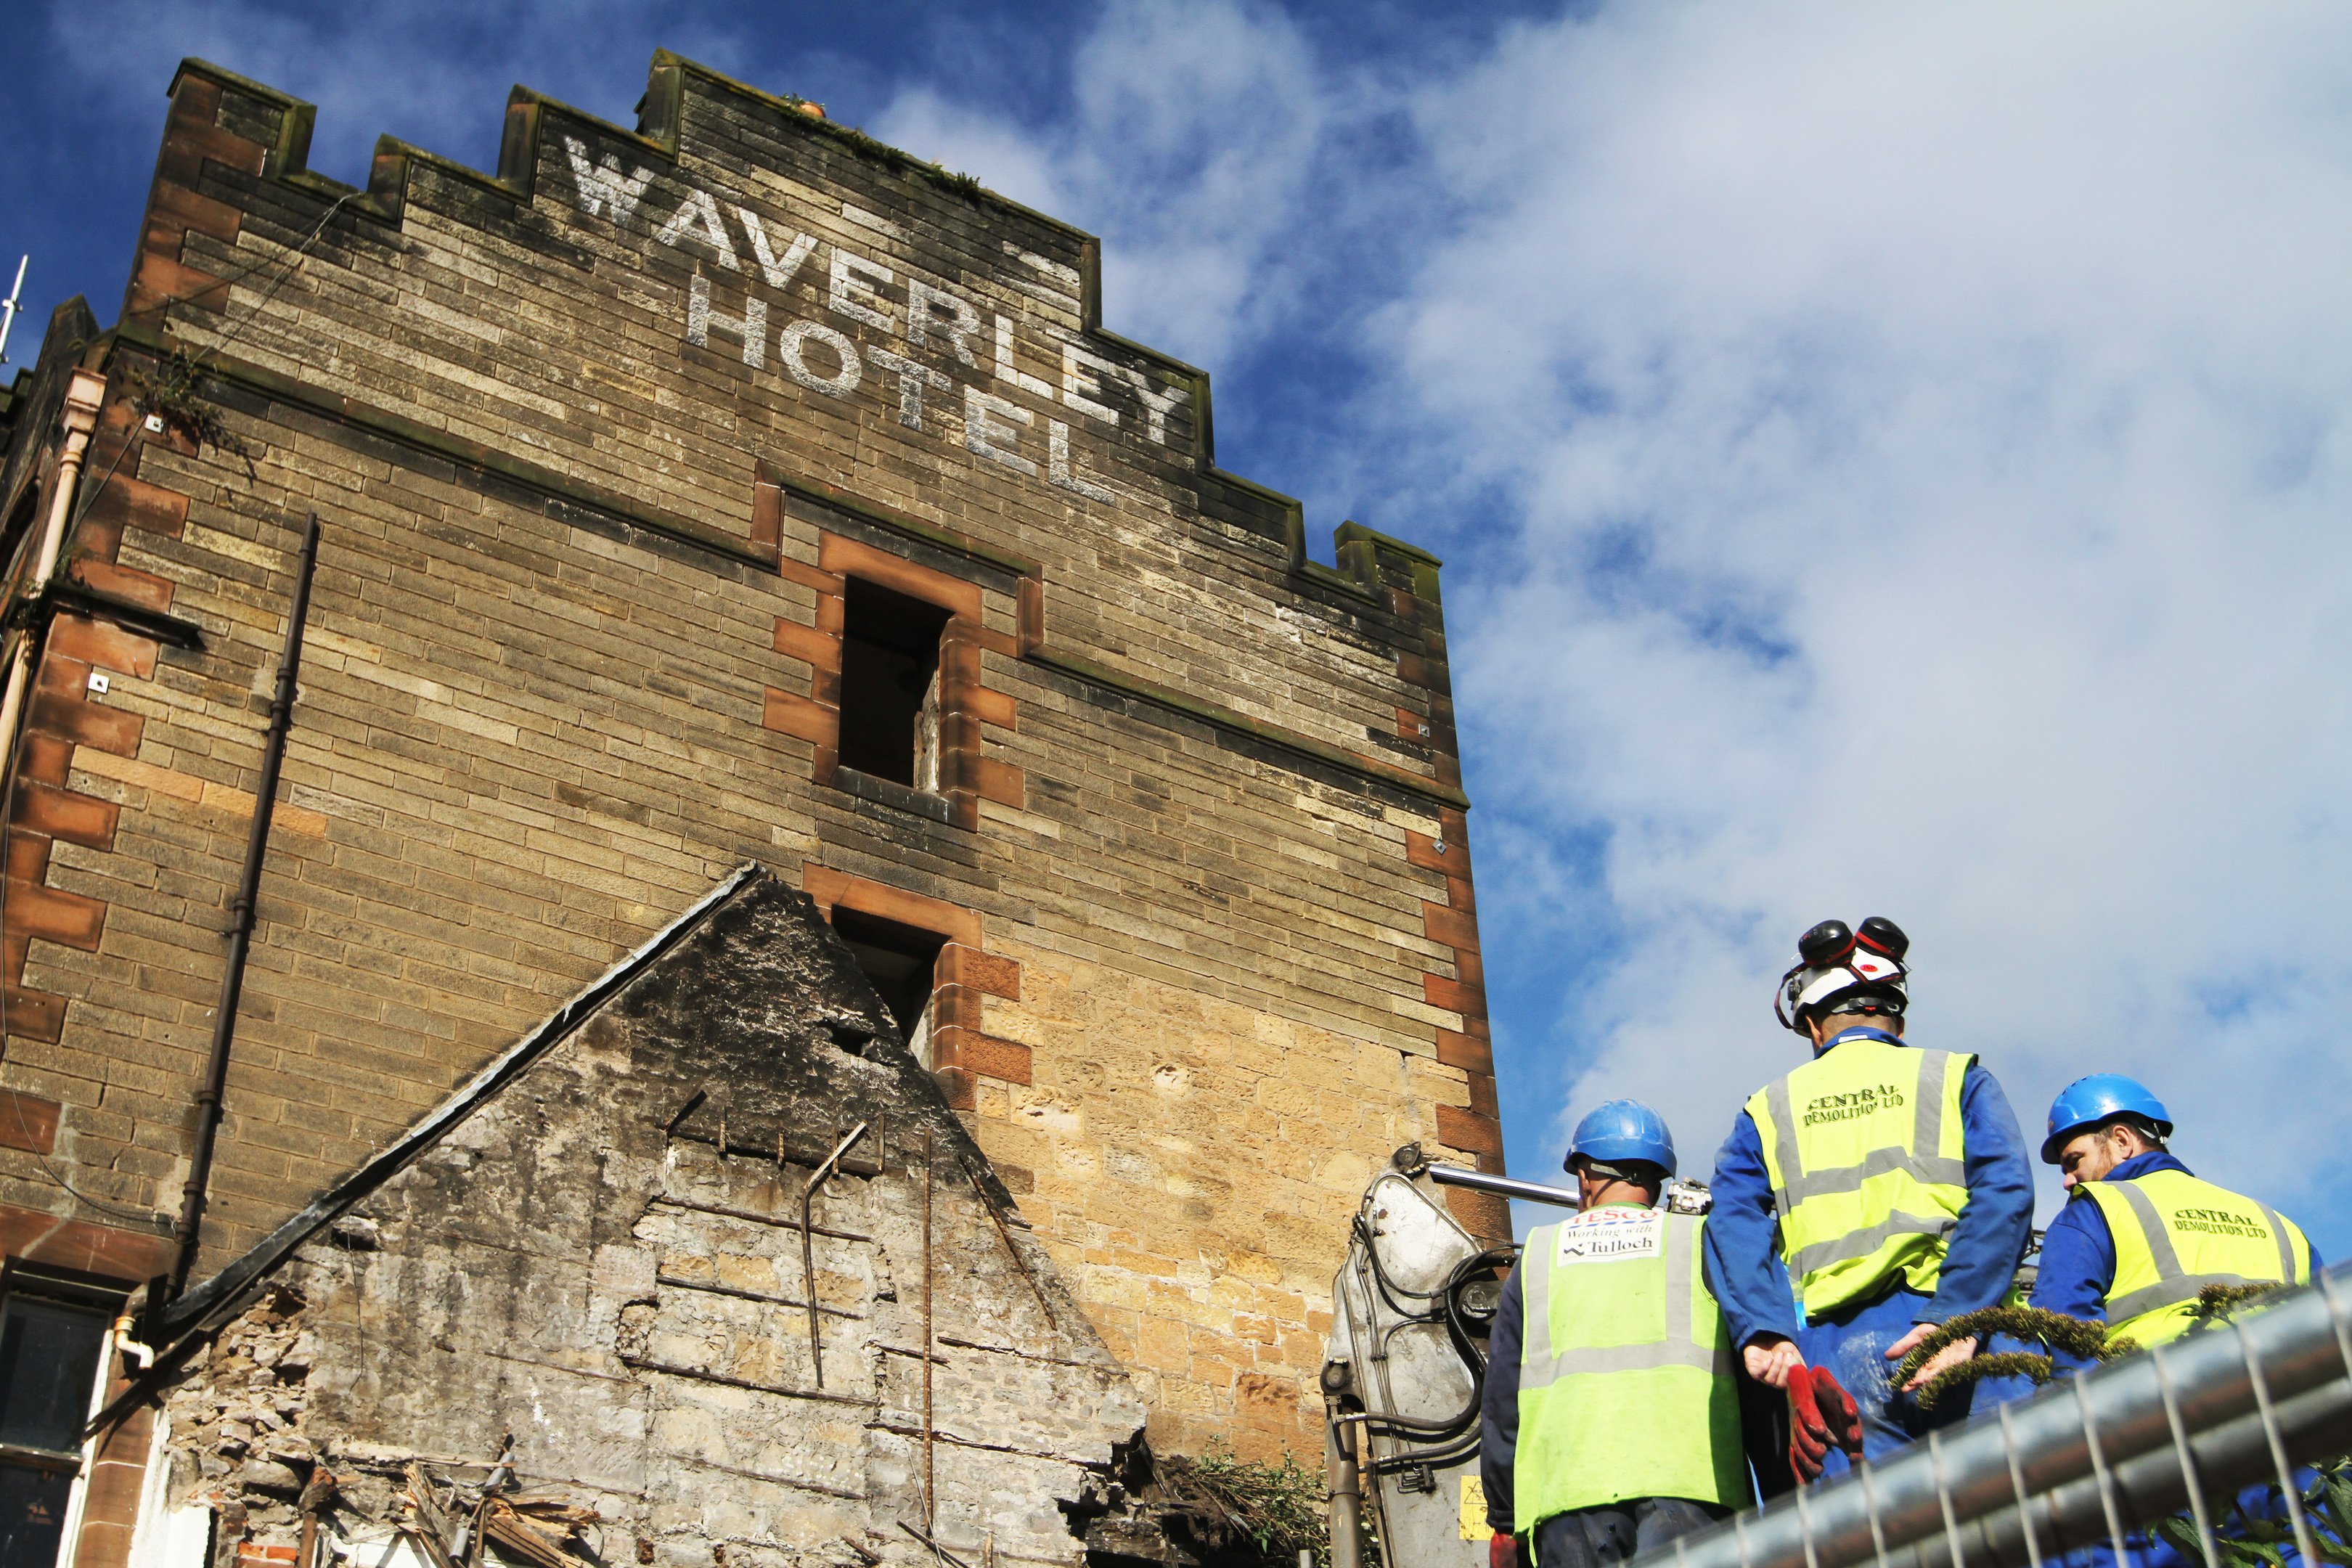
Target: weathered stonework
597, 443
601, 1256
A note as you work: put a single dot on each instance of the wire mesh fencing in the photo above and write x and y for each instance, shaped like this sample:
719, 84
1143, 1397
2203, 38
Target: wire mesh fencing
2095, 1458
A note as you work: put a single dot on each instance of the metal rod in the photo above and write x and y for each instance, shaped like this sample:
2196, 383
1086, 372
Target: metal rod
2017, 1482
1870, 1500
2099, 1470
189, 1232
2327, 1284
2283, 1398
808, 1247
1036, 1288
1805, 1524
1480, 1181
931, 1495
941, 1553
2278, 1447
2189, 1477
1944, 1500
7, 319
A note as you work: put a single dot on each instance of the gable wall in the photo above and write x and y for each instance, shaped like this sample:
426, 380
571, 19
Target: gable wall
579, 1263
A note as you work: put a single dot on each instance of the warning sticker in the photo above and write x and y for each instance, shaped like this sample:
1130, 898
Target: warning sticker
1473, 1510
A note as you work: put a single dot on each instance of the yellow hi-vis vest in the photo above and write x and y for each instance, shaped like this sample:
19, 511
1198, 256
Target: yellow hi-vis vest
2174, 1236
1865, 1148
1625, 1382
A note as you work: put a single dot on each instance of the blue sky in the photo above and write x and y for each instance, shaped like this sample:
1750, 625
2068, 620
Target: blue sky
1888, 460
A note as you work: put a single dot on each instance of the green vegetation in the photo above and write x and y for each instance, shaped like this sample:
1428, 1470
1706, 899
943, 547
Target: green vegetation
1279, 1510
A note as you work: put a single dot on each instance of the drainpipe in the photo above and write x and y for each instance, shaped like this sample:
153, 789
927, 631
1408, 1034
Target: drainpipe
189, 1231
83, 395
1342, 1472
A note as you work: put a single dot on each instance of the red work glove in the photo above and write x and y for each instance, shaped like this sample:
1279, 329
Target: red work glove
1839, 1413
1502, 1551
1808, 1439
1822, 1416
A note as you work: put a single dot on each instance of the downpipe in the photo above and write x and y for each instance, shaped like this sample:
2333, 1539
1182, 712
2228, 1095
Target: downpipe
2028, 1481
1340, 1469
84, 394
189, 1233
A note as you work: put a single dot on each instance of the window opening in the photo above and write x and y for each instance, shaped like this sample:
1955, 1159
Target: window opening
901, 961
52, 1341
889, 686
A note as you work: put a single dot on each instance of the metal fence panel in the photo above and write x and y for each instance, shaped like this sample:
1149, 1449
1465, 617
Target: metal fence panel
2085, 1460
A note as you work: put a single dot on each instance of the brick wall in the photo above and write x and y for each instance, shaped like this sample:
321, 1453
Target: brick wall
1203, 860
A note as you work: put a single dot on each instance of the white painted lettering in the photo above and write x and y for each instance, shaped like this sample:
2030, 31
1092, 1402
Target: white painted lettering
698, 212
779, 274
995, 426
1077, 381
1066, 275
843, 382
751, 326
603, 188
1007, 371
1156, 405
984, 414
874, 221
923, 302
1057, 464
859, 309
912, 378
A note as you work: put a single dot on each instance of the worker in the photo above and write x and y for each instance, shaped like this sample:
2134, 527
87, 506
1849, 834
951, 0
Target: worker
1611, 1411
2140, 1235
2140, 1238
1864, 1199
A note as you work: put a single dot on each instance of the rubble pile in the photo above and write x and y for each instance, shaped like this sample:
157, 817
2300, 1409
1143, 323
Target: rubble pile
237, 1411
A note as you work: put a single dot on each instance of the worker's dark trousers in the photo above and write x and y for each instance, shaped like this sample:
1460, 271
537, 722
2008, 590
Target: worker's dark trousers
1588, 1537
1853, 1344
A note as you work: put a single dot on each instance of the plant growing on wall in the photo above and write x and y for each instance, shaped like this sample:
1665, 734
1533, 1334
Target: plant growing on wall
1279, 1510
171, 396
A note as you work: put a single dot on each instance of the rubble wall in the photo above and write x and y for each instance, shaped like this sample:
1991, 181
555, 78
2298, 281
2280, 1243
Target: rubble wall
577, 1266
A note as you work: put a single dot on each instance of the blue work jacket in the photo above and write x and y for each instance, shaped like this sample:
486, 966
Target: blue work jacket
1743, 1262
2078, 1250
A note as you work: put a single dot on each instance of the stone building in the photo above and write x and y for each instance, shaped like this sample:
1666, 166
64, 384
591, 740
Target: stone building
730, 490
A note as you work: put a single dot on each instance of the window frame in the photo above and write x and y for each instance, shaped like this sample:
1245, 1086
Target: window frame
926, 766
917, 1035
966, 774
21, 1279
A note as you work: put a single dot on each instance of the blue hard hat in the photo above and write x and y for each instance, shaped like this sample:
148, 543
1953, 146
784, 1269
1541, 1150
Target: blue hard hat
2102, 1097
1623, 1130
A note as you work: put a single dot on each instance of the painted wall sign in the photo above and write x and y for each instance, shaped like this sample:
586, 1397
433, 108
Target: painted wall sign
972, 361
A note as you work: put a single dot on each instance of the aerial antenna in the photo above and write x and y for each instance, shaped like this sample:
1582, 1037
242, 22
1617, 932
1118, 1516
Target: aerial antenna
8, 306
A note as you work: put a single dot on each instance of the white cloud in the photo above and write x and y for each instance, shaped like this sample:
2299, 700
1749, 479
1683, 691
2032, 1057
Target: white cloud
1893, 461
1192, 135
1929, 429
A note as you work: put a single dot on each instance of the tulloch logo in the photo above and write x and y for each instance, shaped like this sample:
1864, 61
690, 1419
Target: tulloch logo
1862, 1102
1607, 1239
